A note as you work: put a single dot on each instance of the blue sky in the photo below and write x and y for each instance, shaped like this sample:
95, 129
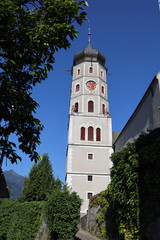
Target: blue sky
128, 34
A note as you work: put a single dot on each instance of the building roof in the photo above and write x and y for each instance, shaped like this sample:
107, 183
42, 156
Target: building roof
89, 54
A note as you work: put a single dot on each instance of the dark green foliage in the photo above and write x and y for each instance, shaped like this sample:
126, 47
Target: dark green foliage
31, 33
14, 182
7, 209
121, 211
133, 195
40, 181
26, 221
148, 147
63, 212
20, 221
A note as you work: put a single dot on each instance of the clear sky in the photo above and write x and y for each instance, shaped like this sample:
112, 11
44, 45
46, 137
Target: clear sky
128, 34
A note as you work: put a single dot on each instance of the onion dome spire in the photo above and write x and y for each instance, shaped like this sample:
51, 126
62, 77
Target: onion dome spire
89, 54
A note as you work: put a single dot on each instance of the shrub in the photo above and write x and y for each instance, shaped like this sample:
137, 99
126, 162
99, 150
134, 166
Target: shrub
26, 221
63, 212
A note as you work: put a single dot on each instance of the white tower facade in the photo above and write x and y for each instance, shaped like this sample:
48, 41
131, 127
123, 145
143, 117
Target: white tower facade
90, 127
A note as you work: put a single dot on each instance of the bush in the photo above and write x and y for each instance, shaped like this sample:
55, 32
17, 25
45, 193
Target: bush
133, 195
7, 209
26, 221
63, 212
20, 220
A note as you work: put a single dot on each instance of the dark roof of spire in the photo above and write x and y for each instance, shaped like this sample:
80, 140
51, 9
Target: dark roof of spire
89, 54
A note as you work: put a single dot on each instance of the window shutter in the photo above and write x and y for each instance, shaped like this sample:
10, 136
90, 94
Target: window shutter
90, 106
90, 134
82, 133
98, 134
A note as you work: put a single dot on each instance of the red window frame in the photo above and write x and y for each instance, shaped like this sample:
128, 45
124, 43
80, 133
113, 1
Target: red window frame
90, 106
77, 88
90, 133
91, 70
98, 134
103, 108
83, 131
76, 107
102, 89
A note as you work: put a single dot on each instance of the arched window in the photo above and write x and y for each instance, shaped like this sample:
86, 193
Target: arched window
76, 107
98, 134
90, 134
91, 70
90, 106
101, 73
82, 133
103, 108
102, 89
78, 71
77, 88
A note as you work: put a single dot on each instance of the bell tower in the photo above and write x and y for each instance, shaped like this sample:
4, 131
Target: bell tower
90, 127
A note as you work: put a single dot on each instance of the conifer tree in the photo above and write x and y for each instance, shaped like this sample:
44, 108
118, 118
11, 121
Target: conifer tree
40, 181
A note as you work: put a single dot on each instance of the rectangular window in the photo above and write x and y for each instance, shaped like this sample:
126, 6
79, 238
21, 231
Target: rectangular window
89, 195
90, 156
90, 178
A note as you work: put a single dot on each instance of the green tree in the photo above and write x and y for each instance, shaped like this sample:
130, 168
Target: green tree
122, 208
62, 210
40, 181
31, 32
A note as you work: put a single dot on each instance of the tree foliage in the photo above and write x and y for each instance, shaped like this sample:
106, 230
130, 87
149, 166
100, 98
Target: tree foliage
20, 221
133, 195
43, 200
31, 33
40, 181
63, 213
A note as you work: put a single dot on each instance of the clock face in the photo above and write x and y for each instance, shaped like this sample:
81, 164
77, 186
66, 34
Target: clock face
91, 85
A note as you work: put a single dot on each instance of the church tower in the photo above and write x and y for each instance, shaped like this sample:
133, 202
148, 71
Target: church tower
90, 127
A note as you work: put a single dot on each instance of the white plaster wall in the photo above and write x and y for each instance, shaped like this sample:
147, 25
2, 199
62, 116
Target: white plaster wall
82, 187
145, 118
78, 164
78, 161
76, 122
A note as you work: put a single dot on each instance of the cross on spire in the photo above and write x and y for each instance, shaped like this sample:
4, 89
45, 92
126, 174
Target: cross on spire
89, 37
